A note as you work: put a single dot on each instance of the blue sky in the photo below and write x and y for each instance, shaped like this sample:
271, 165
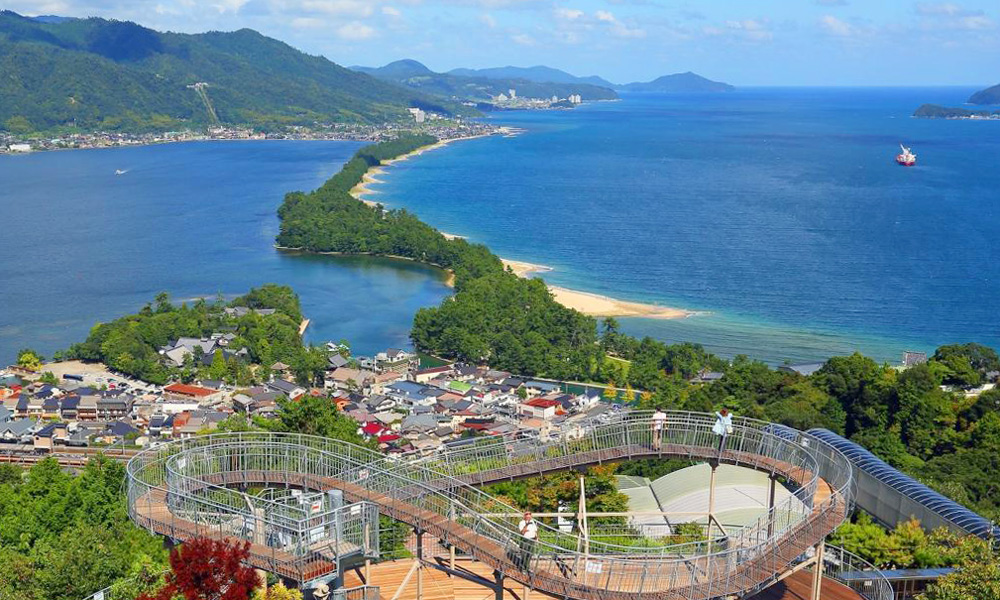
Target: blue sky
745, 42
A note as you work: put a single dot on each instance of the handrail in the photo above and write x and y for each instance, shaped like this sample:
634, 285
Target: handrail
422, 490
856, 573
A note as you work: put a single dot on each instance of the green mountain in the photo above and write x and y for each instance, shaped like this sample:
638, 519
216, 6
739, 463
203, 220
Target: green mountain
114, 75
990, 95
538, 74
679, 83
415, 75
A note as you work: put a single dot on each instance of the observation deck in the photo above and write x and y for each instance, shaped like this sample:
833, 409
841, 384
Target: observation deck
191, 488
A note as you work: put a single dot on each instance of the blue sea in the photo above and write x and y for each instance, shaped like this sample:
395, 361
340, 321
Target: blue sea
82, 245
778, 214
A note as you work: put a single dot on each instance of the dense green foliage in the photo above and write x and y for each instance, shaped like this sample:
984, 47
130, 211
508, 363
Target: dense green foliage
908, 546
115, 75
414, 75
329, 219
63, 537
978, 579
131, 344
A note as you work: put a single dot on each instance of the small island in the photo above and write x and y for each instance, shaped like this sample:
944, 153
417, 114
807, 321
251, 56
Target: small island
990, 95
935, 111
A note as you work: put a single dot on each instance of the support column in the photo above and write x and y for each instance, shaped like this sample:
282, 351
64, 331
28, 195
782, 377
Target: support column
817, 583
711, 499
451, 548
770, 505
420, 564
498, 585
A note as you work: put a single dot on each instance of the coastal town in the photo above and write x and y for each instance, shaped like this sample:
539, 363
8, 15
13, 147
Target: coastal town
423, 122
400, 403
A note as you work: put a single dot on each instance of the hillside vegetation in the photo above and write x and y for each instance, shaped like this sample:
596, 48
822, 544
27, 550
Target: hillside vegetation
990, 95
115, 75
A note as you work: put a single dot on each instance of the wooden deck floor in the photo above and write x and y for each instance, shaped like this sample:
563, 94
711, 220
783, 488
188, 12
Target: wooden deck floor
438, 585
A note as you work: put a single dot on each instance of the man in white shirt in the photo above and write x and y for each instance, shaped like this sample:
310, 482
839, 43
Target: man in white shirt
528, 529
659, 422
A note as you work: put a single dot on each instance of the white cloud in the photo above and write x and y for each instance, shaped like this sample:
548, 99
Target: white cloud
753, 30
307, 23
488, 20
391, 11
948, 15
229, 6
338, 8
523, 39
944, 9
569, 14
618, 28
836, 27
355, 31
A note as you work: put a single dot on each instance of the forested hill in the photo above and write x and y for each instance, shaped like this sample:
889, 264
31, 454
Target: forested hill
990, 95
116, 75
679, 83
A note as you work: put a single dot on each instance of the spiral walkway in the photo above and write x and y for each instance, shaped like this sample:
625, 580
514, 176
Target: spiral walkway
192, 488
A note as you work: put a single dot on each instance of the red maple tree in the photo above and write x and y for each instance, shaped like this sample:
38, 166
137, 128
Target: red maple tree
207, 569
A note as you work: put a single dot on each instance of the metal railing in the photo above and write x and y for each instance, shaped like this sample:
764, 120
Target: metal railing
856, 573
436, 495
361, 592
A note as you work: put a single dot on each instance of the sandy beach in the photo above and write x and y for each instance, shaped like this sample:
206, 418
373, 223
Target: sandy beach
596, 305
593, 305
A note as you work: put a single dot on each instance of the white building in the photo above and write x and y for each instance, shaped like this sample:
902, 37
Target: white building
418, 115
513, 93
19, 147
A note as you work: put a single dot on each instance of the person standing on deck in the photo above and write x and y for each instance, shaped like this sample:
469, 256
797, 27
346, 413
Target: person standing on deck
659, 422
723, 427
528, 529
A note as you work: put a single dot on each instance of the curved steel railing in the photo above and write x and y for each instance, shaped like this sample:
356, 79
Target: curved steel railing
856, 573
436, 494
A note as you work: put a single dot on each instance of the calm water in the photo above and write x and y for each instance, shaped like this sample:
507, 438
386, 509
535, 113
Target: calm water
82, 245
780, 212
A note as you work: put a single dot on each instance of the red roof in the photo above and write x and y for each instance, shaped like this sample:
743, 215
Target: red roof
189, 390
476, 426
389, 437
372, 428
542, 403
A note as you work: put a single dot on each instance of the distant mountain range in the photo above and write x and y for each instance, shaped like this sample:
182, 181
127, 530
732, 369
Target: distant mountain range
990, 95
677, 83
118, 75
539, 74
417, 76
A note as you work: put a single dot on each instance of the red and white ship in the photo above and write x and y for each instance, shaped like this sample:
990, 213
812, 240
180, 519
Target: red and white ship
906, 158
